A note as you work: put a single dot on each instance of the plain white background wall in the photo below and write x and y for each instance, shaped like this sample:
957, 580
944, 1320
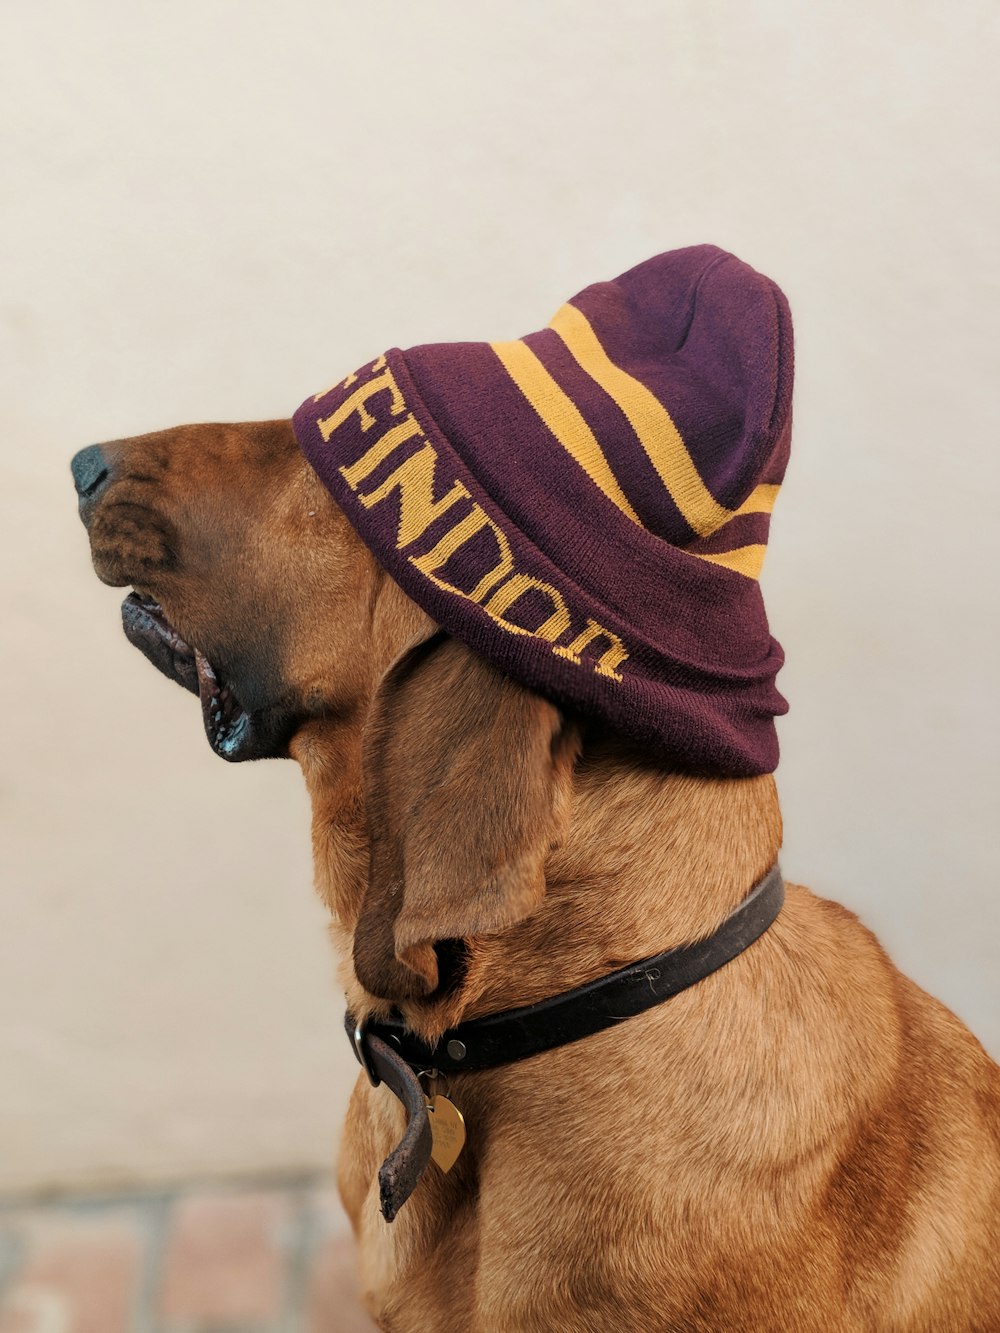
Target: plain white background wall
210, 210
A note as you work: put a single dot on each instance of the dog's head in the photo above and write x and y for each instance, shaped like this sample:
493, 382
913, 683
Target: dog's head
252, 590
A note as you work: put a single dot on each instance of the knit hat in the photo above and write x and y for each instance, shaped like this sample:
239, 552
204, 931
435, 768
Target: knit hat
588, 507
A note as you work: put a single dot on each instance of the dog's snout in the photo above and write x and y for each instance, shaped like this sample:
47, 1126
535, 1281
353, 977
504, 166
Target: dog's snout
90, 472
91, 475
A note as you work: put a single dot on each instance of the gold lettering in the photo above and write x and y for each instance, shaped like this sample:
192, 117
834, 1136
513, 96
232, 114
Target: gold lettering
381, 449
508, 593
612, 657
414, 479
356, 402
438, 556
350, 379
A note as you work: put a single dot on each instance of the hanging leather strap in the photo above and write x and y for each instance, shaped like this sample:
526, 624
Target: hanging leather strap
399, 1173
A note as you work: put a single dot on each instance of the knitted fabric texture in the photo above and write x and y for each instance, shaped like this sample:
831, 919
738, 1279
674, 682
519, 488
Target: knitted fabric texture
588, 507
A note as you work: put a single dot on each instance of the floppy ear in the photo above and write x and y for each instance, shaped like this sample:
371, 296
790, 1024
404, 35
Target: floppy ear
467, 784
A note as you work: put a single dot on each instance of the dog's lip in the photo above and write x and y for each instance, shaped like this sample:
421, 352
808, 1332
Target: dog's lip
148, 629
228, 725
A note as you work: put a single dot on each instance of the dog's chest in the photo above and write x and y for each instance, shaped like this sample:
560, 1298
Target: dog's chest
419, 1272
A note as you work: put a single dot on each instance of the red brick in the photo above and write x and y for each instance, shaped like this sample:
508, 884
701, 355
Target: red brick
80, 1274
226, 1258
18, 1318
333, 1304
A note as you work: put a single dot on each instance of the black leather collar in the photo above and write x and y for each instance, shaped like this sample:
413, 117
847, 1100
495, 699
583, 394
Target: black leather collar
390, 1053
516, 1034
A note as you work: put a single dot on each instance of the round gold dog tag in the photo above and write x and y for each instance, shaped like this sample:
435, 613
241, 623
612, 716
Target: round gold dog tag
447, 1131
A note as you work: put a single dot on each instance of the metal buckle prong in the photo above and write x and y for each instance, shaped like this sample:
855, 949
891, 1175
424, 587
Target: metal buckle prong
364, 1059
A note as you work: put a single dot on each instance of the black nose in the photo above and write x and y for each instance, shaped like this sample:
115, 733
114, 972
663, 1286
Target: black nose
90, 472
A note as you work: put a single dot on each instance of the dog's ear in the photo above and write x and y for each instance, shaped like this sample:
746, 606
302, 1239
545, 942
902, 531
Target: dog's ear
467, 785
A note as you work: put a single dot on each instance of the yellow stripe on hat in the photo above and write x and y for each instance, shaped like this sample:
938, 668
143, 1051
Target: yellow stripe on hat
760, 500
748, 560
562, 416
651, 422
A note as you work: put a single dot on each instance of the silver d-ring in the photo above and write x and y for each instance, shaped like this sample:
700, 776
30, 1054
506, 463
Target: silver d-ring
364, 1058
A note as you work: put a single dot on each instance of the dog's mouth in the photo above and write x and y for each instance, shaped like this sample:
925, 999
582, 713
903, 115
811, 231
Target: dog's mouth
229, 726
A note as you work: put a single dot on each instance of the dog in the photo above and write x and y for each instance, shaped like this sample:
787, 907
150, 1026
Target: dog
803, 1140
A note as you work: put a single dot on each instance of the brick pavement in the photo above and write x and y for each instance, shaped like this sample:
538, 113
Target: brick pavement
252, 1258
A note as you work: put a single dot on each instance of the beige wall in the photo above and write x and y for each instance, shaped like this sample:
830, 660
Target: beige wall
210, 210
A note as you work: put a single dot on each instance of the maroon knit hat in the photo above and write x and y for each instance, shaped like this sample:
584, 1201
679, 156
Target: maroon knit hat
588, 507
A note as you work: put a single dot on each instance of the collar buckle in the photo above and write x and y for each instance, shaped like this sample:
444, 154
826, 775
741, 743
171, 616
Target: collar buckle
362, 1053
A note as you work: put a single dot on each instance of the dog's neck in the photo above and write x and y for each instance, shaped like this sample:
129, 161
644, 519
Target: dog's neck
652, 859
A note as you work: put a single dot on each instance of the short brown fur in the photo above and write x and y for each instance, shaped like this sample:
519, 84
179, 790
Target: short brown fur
803, 1141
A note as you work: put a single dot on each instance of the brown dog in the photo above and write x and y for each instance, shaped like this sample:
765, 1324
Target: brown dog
802, 1141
